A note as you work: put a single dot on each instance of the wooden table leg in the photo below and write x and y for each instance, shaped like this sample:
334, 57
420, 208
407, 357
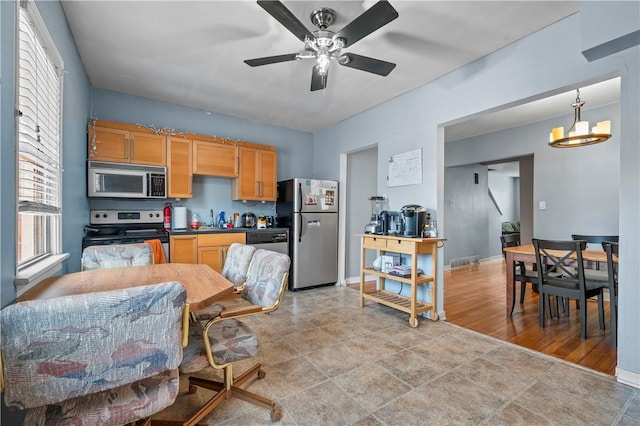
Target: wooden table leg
510, 283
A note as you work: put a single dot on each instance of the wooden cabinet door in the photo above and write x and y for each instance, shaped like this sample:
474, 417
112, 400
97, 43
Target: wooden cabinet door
212, 256
148, 148
179, 171
268, 175
111, 145
183, 249
245, 187
215, 159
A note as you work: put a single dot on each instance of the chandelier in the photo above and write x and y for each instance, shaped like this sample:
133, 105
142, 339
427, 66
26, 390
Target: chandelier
579, 131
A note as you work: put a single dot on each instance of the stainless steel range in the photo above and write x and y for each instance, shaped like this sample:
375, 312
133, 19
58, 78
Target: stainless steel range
125, 227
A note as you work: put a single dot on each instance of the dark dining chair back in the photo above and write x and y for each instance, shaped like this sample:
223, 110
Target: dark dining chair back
611, 248
561, 274
521, 273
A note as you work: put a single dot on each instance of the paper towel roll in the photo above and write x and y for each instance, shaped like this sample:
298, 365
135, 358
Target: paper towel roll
180, 218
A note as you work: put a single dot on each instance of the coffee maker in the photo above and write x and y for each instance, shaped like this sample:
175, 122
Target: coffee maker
376, 224
414, 217
391, 222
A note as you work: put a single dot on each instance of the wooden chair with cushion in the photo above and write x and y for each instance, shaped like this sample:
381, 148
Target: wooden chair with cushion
555, 278
104, 358
611, 248
116, 256
224, 340
521, 273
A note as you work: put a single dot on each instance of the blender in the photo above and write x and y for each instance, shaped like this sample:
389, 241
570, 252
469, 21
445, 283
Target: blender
376, 224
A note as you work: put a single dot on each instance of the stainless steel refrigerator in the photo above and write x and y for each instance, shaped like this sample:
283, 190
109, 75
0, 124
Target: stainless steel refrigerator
309, 208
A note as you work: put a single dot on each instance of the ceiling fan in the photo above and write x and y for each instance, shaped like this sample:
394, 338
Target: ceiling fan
325, 45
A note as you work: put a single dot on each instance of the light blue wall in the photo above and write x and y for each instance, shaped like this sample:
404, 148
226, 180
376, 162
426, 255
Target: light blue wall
294, 148
580, 186
75, 116
547, 62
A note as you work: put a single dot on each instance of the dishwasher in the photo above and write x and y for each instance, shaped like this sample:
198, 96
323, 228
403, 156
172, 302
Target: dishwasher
270, 239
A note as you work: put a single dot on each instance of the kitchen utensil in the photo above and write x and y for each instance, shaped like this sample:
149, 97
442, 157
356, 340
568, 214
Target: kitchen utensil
248, 220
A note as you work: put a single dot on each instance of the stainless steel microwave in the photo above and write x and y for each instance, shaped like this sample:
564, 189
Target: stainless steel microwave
116, 180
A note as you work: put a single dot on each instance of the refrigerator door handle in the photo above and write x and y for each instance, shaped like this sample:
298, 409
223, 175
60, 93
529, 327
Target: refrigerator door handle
300, 229
300, 196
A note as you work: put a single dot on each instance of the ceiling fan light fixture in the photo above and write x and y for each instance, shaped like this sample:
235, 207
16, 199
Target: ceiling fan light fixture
579, 134
324, 60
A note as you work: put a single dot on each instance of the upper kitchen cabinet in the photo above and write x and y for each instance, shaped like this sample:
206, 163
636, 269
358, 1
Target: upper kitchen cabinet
257, 174
179, 167
126, 143
215, 158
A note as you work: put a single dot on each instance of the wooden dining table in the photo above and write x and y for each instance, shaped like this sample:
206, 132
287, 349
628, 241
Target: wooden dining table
527, 254
204, 285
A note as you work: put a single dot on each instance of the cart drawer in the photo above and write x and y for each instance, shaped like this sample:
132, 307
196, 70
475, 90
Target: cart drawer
401, 246
375, 243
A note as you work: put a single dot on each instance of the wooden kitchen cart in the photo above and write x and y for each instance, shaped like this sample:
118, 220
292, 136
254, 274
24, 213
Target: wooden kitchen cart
409, 246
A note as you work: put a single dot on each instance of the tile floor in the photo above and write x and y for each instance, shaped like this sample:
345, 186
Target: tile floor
329, 362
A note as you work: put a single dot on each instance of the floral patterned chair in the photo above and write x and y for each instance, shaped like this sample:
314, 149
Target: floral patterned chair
236, 266
116, 256
225, 339
104, 358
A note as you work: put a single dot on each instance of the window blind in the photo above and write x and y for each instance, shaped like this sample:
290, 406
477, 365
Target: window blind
39, 103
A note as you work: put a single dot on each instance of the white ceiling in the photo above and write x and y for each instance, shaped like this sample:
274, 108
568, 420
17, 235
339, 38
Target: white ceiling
191, 53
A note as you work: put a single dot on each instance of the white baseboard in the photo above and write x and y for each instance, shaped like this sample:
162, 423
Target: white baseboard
628, 377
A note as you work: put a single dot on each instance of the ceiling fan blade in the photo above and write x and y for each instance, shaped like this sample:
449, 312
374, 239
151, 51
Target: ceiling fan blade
271, 59
371, 19
365, 63
318, 81
286, 18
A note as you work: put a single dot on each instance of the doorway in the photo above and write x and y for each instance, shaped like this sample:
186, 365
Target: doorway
361, 182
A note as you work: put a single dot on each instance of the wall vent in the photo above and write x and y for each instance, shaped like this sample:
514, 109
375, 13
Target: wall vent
462, 261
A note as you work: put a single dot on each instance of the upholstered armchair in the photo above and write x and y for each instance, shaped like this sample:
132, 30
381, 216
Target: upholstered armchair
116, 256
225, 339
104, 358
235, 269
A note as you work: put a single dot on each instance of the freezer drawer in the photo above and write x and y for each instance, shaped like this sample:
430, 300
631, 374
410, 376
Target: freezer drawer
315, 250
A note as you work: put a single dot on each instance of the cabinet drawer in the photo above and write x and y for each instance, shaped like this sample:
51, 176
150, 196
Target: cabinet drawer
209, 240
401, 246
375, 243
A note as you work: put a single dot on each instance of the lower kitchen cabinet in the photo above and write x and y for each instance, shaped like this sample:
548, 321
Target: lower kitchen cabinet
212, 248
209, 249
183, 249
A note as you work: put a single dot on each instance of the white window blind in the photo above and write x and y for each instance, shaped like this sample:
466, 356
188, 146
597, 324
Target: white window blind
39, 139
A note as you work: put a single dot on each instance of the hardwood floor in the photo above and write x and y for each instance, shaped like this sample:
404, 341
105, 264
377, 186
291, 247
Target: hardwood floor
474, 298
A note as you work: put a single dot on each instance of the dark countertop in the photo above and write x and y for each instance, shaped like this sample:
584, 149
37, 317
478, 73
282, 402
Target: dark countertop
216, 230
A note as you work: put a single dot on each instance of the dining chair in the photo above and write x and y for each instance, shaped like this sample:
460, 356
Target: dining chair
225, 340
561, 274
611, 248
236, 266
116, 256
103, 358
593, 270
521, 273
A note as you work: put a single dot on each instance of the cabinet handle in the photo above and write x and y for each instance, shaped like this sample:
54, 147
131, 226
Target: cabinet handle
260, 188
132, 148
126, 148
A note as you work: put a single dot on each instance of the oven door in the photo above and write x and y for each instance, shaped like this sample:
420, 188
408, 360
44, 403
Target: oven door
116, 183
